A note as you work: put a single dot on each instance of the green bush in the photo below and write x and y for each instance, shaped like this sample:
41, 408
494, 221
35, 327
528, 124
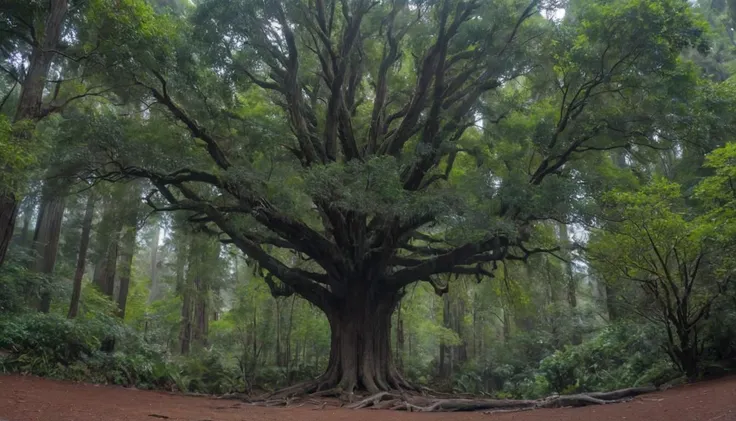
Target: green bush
44, 343
18, 285
208, 371
622, 355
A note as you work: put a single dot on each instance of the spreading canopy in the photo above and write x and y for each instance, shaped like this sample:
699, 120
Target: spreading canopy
368, 145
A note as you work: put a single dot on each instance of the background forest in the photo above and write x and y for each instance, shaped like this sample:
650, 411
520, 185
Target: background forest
600, 150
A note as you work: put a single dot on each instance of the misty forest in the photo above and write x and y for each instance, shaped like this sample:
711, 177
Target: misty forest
398, 204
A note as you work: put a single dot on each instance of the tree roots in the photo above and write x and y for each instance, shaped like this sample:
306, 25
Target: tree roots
387, 400
415, 403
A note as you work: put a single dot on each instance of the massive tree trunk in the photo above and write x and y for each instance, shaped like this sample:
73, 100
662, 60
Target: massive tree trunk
29, 107
360, 351
46, 237
89, 211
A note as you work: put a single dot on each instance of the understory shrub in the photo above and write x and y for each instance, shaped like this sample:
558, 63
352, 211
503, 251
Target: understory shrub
621, 355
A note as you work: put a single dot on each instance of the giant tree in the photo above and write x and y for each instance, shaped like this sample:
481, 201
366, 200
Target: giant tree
352, 148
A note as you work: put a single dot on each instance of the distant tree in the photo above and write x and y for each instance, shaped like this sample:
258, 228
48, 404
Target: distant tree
675, 262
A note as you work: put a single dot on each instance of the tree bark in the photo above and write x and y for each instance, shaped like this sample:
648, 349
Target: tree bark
185, 336
8, 211
153, 295
29, 107
82, 256
24, 239
200, 325
360, 351
107, 254
31, 94
443, 371
399, 338
287, 354
126, 262
46, 236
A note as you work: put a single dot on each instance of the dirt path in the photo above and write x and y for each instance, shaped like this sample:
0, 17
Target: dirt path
35, 399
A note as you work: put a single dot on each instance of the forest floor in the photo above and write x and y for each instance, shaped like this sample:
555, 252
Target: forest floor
36, 399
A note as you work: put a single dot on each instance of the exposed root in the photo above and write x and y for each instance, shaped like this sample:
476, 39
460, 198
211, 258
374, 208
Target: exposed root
392, 400
428, 400
296, 390
373, 400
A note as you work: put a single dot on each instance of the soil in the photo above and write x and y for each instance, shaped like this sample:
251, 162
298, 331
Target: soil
36, 399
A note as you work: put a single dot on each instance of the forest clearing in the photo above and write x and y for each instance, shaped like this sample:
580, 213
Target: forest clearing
36, 399
507, 207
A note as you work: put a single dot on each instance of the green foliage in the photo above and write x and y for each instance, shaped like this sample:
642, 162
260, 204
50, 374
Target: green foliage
622, 355
18, 285
16, 153
46, 344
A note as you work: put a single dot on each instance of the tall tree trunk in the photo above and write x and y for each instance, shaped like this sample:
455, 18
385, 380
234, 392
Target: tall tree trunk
619, 159
29, 107
82, 256
25, 214
287, 354
130, 204
506, 324
31, 94
200, 325
278, 331
399, 338
107, 253
108, 248
8, 211
127, 251
46, 236
185, 337
154, 292
185, 331
442, 369
570, 283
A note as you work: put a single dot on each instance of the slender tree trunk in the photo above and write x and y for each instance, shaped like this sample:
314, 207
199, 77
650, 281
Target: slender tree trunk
278, 331
29, 107
287, 354
185, 337
461, 350
446, 322
127, 251
200, 324
108, 249
506, 325
24, 238
154, 292
107, 254
8, 211
82, 256
25, 215
399, 338
46, 236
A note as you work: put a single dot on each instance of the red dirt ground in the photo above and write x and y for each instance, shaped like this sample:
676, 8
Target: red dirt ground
36, 399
